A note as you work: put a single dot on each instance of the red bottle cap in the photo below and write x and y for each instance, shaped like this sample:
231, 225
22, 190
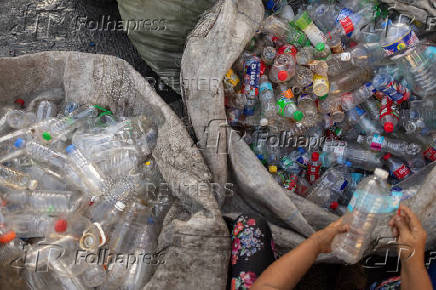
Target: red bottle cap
334, 205
274, 39
20, 102
282, 75
7, 237
389, 127
315, 156
60, 226
387, 156
262, 68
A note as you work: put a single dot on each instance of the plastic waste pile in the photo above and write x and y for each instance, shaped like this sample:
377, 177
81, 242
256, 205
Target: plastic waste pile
78, 196
327, 95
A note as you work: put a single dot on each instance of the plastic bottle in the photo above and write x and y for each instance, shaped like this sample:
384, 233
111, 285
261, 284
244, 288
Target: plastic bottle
283, 69
373, 108
367, 203
303, 76
313, 168
319, 67
332, 104
296, 37
398, 36
322, 51
358, 156
41, 153
358, 96
330, 186
90, 175
267, 102
394, 90
19, 119
305, 23
397, 168
289, 162
384, 144
15, 179
287, 108
321, 85
365, 54
268, 54
389, 114
349, 80
46, 109
11, 247
44, 201
309, 109
304, 56
251, 84
29, 225
361, 118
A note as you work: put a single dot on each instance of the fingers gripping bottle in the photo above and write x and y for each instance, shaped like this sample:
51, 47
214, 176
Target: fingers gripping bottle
369, 200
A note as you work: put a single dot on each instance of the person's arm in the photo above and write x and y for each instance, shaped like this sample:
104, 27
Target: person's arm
410, 232
289, 269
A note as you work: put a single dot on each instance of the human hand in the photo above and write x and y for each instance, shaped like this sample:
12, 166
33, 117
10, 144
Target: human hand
407, 227
323, 238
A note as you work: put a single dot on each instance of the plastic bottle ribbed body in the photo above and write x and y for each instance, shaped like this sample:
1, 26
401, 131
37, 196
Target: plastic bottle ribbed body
42, 153
16, 180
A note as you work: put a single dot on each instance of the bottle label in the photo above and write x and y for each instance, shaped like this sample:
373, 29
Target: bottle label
252, 77
396, 92
231, 78
265, 86
345, 21
430, 154
371, 203
401, 172
320, 81
407, 40
387, 107
377, 141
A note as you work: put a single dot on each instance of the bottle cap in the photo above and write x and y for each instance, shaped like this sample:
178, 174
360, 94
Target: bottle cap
60, 226
264, 122
20, 102
259, 156
387, 156
272, 169
7, 237
303, 21
383, 174
338, 131
348, 164
396, 188
389, 127
270, 5
19, 143
323, 97
120, 206
334, 205
301, 150
320, 46
282, 75
46, 136
298, 116
70, 148
315, 156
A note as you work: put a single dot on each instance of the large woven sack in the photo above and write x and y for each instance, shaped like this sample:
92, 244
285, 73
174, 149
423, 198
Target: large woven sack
212, 48
158, 30
194, 237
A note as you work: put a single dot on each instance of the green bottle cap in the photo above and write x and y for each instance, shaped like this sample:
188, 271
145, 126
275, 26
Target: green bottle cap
298, 116
323, 97
303, 21
338, 131
46, 136
320, 46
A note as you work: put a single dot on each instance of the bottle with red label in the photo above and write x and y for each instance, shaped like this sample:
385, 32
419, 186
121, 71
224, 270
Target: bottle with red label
386, 84
313, 168
389, 114
397, 168
430, 152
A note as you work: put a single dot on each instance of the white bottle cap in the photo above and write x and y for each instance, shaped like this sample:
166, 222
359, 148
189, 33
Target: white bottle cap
383, 174
263, 122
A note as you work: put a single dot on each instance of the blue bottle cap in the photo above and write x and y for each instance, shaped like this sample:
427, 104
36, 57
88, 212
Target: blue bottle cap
359, 110
270, 5
344, 184
396, 188
348, 164
260, 156
301, 150
70, 148
19, 143
356, 176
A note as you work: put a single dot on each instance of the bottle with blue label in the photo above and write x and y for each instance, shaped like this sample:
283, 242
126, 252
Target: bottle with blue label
356, 97
371, 199
360, 117
251, 84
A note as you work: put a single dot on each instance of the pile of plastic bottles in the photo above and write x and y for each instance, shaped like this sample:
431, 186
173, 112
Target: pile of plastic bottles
327, 94
73, 187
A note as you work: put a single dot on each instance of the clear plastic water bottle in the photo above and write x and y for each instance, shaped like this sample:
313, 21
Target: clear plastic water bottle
269, 54
267, 102
303, 76
389, 114
356, 97
251, 84
365, 54
20, 119
368, 202
41, 153
360, 117
90, 175
305, 55
313, 168
15, 179
309, 109
46, 110
349, 80
296, 37
372, 106
29, 225
385, 144
386, 84
287, 108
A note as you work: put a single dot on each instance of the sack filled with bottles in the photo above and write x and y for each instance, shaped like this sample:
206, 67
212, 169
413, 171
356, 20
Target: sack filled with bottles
100, 184
316, 97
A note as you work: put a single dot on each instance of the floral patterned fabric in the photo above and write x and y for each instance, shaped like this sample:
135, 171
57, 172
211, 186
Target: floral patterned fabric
252, 251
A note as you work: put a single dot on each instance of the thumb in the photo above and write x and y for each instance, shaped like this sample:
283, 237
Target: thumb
401, 225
